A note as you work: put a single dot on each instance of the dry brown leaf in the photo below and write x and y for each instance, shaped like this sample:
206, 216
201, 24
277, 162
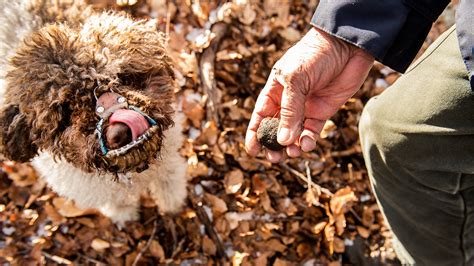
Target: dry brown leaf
209, 134
247, 17
259, 183
279, 11
22, 174
208, 246
339, 246
266, 203
233, 181
130, 258
156, 250
199, 169
339, 204
191, 104
200, 39
218, 205
328, 129
126, 2
363, 232
87, 222
275, 244
282, 262
100, 245
53, 214
201, 11
286, 206
238, 258
329, 232
368, 216
303, 250
319, 227
290, 34
227, 55
262, 258
67, 208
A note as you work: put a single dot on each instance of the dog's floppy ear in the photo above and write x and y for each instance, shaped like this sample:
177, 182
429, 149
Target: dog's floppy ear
16, 143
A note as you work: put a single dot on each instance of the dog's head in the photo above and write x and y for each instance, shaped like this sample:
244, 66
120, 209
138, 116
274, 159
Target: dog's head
98, 96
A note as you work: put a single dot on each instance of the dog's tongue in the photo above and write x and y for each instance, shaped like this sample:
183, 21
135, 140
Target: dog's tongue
135, 121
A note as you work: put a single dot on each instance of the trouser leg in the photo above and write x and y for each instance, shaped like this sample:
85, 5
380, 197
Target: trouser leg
418, 143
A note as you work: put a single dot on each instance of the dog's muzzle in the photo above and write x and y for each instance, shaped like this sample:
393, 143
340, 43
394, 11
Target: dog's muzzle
127, 136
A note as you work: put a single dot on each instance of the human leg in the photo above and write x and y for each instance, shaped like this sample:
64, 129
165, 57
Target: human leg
418, 143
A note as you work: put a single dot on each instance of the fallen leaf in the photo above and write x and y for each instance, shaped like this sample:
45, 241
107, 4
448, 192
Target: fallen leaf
338, 205
218, 205
208, 246
233, 181
238, 258
100, 245
319, 227
67, 208
363, 232
339, 245
156, 250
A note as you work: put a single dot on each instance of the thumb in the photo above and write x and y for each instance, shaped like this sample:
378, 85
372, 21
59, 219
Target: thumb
291, 115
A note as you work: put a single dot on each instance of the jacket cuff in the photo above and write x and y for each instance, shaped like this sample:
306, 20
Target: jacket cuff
391, 31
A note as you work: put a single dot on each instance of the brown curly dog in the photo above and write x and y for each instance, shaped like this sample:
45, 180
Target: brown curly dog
89, 99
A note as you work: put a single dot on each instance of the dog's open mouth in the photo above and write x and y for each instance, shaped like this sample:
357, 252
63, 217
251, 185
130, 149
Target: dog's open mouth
135, 140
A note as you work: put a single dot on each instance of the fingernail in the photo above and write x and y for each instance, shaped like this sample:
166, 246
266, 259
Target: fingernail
307, 144
283, 135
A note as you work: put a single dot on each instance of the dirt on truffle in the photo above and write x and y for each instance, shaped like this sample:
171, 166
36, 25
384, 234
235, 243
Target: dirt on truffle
267, 134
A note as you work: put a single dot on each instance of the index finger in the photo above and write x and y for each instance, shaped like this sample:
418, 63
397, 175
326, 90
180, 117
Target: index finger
267, 105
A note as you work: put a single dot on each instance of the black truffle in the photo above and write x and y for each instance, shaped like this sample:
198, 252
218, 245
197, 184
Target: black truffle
267, 134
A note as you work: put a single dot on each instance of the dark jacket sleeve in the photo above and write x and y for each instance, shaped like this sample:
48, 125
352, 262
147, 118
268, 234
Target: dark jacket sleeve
391, 30
465, 31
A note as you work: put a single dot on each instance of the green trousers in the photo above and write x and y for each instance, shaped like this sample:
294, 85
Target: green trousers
418, 144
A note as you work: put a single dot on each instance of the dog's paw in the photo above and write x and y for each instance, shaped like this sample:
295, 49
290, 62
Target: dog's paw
171, 202
121, 215
169, 195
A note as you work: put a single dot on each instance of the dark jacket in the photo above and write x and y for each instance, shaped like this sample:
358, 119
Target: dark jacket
393, 30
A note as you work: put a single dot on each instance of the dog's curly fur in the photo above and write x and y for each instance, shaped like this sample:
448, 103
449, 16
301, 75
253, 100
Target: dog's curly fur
68, 55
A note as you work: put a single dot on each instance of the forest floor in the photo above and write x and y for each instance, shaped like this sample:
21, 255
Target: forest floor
314, 210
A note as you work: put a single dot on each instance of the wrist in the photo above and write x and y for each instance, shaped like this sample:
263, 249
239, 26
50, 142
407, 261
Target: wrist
336, 41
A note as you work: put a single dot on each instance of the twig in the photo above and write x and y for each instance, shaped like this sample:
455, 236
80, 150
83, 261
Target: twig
310, 182
304, 178
310, 197
355, 214
202, 215
91, 259
56, 259
348, 152
178, 249
207, 75
168, 22
351, 172
147, 245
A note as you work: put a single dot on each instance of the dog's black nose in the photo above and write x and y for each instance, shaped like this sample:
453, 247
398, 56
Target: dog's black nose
118, 135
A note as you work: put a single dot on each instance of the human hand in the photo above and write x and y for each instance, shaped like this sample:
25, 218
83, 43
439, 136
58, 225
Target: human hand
305, 88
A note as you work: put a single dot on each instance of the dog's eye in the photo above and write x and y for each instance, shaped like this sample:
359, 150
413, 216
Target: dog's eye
121, 99
100, 109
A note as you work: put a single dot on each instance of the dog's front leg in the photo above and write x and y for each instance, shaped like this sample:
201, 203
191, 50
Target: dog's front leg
120, 202
168, 175
168, 188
